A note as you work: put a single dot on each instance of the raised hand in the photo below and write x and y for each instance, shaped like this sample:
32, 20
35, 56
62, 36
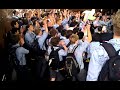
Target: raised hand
88, 26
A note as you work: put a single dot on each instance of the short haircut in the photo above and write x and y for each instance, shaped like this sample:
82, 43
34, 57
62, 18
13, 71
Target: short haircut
80, 34
73, 24
96, 37
75, 30
60, 28
74, 38
116, 23
53, 32
13, 23
15, 39
14, 30
41, 24
69, 33
55, 41
99, 28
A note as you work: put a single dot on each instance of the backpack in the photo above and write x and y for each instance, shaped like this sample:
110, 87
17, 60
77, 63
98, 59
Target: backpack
71, 65
12, 57
35, 48
111, 69
54, 59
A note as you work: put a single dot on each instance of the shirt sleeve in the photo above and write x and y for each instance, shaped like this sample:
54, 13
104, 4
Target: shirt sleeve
25, 51
62, 52
49, 50
85, 45
96, 62
28, 38
41, 40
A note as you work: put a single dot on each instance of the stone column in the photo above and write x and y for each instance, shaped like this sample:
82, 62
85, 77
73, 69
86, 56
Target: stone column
4, 24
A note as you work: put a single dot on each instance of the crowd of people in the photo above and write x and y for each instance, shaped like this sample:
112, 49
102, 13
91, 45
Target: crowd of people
46, 45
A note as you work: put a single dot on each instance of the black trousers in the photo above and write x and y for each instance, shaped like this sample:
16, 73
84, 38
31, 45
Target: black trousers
42, 72
22, 73
56, 74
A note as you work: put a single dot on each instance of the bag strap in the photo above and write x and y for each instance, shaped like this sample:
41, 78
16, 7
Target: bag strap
68, 44
109, 49
74, 48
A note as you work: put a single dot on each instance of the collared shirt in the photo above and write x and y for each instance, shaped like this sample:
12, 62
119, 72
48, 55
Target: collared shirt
79, 53
29, 37
96, 23
81, 25
65, 21
41, 40
55, 26
20, 53
91, 47
63, 37
60, 52
66, 41
98, 57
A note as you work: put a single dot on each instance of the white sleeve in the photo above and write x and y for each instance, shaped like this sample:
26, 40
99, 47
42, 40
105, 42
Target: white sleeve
94, 67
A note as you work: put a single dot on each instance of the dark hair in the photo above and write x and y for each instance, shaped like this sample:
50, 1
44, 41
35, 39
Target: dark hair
99, 28
13, 23
53, 32
73, 24
29, 24
41, 24
73, 17
15, 39
75, 30
14, 12
33, 18
108, 18
63, 32
34, 22
97, 37
25, 21
60, 28
100, 17
55, 40
69, 33
80, 34
14, 30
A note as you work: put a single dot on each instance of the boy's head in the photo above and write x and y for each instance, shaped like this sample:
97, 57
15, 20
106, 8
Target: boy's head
74, 38
55, 41
15, 24
53, 32
116, 24
69, 33
80, 35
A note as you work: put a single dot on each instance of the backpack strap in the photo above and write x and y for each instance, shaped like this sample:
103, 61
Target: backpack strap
109, 49
68, 44
56, 55
74, 48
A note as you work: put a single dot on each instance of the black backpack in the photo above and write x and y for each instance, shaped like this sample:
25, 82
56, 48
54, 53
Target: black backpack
12, 57
111, 69
71, 65
54, 59
35, 48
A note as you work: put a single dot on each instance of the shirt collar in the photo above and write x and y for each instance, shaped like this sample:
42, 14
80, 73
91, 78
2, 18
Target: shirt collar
114, 41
